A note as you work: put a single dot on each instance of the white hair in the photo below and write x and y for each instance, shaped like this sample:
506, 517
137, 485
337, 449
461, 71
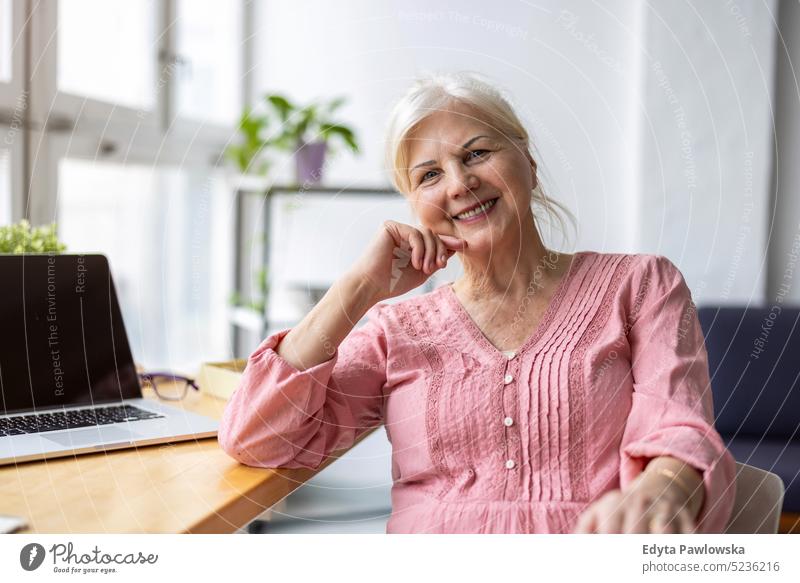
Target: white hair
436, 92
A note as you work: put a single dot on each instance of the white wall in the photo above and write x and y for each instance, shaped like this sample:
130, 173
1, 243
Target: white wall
706, 143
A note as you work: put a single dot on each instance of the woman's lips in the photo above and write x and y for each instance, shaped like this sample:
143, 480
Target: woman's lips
479, 216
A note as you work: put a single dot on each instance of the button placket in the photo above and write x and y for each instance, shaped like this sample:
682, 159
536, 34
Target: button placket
512, 459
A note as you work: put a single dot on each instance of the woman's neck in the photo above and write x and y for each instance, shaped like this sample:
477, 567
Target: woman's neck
512, 269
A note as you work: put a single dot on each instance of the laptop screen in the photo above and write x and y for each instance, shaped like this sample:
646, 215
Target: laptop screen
62, 339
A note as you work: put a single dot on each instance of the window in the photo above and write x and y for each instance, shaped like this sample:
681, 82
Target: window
10, 173
209, 80
13, 106
131, 107
5, 184
107, 50
5, 40
168, 235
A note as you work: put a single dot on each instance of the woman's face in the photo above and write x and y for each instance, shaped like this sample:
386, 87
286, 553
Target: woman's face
457, 161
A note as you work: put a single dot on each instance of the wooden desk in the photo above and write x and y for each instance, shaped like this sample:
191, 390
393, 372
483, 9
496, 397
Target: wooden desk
177, 488
789, 523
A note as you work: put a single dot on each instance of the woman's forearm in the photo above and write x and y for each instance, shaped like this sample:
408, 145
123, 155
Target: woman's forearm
315, 339
688, 476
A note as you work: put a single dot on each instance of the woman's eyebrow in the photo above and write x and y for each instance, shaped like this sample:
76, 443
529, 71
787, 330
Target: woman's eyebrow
465, 146
469, 143
427, 163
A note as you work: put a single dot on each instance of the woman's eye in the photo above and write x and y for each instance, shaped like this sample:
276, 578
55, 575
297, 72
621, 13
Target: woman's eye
428, 175
476, 154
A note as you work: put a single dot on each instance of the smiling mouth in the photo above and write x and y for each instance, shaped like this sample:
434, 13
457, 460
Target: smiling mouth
477, 210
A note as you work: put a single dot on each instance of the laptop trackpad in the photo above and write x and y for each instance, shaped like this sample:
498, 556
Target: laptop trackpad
93, 435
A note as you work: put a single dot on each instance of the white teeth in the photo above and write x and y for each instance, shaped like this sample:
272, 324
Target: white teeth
477, 211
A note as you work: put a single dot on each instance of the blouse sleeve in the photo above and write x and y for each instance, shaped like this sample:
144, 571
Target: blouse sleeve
672, 411
282, 417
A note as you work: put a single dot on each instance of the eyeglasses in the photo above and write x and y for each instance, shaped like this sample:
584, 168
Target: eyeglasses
168, 386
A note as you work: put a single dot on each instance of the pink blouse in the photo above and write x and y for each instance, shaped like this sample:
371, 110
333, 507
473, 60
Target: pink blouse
615, 374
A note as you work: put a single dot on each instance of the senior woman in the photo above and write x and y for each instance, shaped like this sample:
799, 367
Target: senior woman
540, 392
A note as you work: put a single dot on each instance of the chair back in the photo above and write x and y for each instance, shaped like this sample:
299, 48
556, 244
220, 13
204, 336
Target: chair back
759, 499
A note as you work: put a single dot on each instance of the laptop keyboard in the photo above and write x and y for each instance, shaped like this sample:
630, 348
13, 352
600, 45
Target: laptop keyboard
60, 420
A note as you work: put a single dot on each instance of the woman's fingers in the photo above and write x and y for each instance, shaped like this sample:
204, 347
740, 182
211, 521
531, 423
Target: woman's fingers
430, 250
417, 244
686, 523
661, 523
610, 523
611, 515
453, 242
447, 246
635, 520
585, 524
400, 247
441, 253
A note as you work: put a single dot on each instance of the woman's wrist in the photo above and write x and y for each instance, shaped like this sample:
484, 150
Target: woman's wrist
361, 290
315, 339
672, 478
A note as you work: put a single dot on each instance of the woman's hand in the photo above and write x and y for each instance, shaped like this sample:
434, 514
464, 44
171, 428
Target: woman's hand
645, 507
401, 258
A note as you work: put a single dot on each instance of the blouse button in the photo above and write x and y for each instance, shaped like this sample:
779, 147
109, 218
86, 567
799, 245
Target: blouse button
508, 422
510, 464
510, 355
508, 378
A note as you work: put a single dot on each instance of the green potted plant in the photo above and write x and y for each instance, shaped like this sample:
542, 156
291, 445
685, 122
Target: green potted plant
309, 131
20, 238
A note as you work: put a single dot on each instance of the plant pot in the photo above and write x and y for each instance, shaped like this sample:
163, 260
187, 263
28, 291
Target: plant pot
310, 160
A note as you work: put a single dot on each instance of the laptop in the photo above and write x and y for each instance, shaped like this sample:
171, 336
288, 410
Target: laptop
68, 382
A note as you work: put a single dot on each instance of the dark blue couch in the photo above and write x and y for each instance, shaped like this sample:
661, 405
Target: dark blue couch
754, 362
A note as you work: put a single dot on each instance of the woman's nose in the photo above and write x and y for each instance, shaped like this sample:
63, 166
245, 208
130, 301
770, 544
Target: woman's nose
461, 182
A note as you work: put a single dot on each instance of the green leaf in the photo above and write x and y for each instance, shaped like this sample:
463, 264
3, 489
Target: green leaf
345, 133
283, 106
20, 238
335, 104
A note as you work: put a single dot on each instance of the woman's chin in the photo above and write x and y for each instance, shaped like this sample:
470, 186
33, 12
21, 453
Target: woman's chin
486, 230
482, 243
